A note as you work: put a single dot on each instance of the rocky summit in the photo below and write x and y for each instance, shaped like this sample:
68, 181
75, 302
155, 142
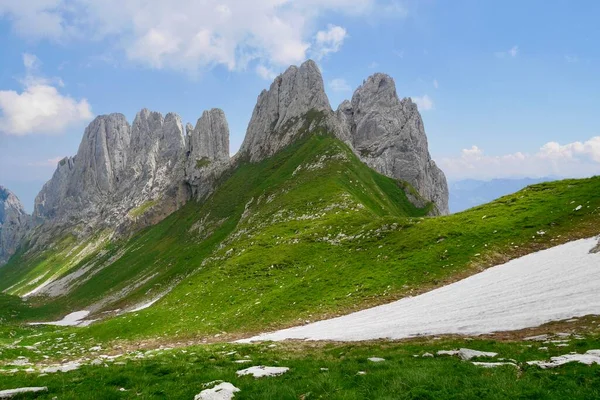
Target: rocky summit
128, 176
385, 132
279, 113
388, 135
14, 222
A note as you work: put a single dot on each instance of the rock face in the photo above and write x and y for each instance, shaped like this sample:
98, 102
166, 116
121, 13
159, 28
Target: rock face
207, 153
14, 222
129, 176
276, 120
125, 177
388, 135
385, 132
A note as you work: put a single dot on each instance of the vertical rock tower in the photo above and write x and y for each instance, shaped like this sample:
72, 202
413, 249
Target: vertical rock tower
389, 136
14, 222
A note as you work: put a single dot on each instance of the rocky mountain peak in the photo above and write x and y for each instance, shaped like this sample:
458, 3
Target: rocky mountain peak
14, 222
207, 153
276, 119
127, 176
388, 135
210, 137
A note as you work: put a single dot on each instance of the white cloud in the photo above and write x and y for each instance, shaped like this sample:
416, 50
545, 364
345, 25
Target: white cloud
265, 72
373, 65
339, 85
425, 103
31, 61
512, 52
192, 35
575, 159
36, 19
329, 41
435, 83
40, 108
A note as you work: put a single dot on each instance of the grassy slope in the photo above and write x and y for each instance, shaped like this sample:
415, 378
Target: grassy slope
169, 251
288, 273
307, 234
180, 374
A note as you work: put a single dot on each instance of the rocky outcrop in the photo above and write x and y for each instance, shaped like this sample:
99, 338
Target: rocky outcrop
279, 114
388, 135
207, 151
14, 222
126, 176
385, 132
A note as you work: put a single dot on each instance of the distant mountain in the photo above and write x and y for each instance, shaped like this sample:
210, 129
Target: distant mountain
469, 193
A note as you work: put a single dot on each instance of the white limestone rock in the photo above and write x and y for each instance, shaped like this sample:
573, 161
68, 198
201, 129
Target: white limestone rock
280, 113
388, 135
207, 154
14, 222
119, 171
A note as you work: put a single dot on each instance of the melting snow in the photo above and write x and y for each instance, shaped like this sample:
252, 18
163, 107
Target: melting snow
260, 371
73, 319
223, 391
554, 284
590, 357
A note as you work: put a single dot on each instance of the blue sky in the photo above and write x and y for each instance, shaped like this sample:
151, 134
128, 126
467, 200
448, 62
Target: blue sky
506, 89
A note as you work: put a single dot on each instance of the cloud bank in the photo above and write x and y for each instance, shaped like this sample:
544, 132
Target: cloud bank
190, 35
576, 159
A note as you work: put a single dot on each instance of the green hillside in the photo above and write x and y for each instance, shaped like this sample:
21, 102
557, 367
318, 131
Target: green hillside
314, 184
309, 233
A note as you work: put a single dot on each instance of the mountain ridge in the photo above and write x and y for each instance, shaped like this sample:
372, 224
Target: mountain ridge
125, 177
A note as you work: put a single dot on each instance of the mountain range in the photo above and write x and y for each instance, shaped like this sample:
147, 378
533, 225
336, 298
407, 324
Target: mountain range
125, 176
153, 258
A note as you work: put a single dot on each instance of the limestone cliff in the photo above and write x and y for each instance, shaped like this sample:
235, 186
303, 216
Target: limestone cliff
14, 222
388, 135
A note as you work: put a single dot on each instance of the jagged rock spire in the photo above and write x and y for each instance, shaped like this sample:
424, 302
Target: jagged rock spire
14, 222
276, 118
120, 168
388, 135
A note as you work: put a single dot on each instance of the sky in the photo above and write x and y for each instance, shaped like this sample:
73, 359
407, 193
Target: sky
506, 89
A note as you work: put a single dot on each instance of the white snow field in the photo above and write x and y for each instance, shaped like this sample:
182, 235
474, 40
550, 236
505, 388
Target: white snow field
554, 284
74, 319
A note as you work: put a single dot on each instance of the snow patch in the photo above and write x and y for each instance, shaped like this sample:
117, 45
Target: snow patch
554, 284
261, 371
73, 319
